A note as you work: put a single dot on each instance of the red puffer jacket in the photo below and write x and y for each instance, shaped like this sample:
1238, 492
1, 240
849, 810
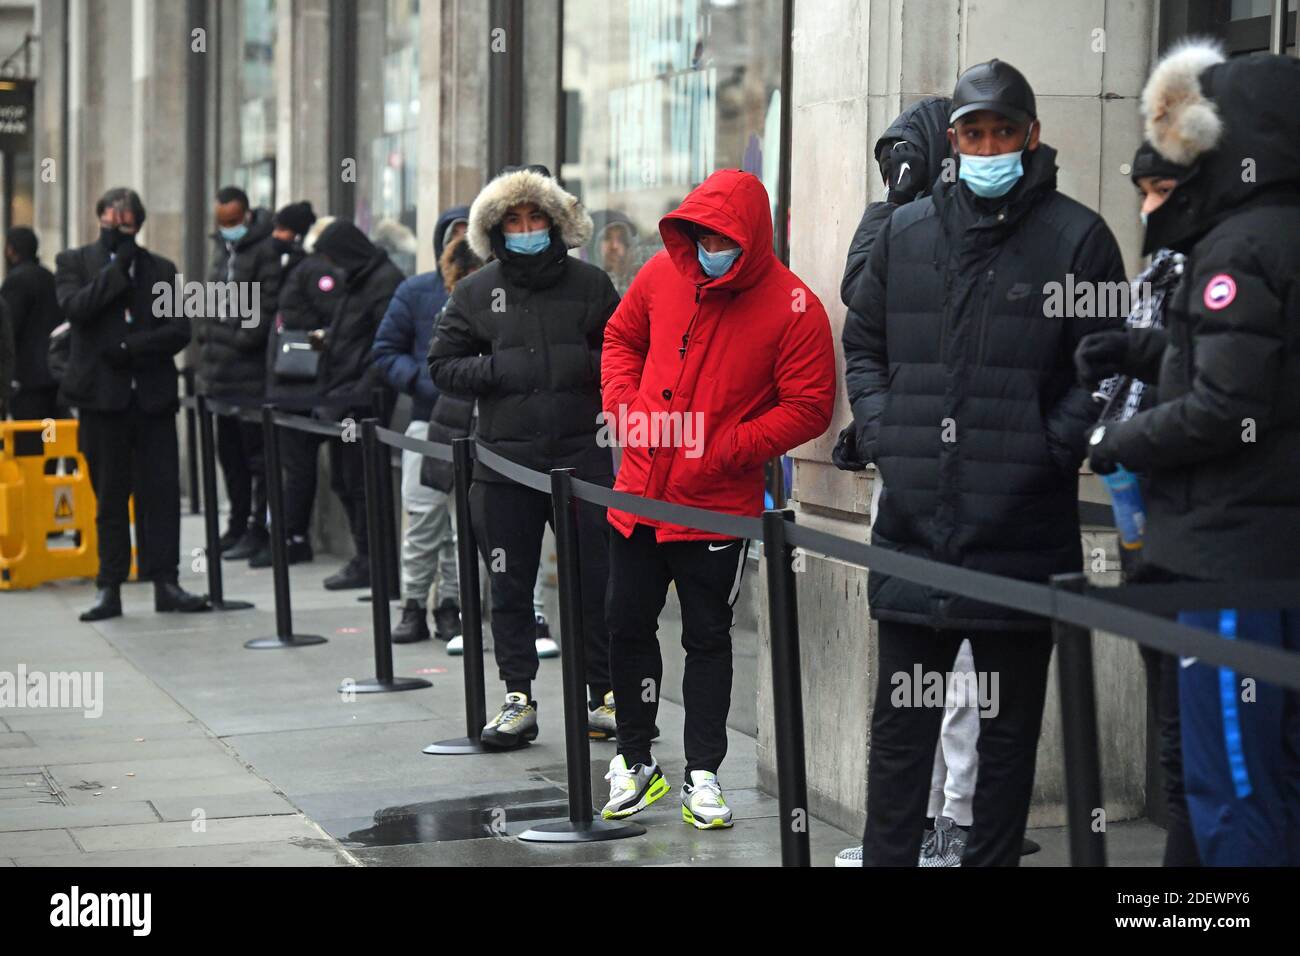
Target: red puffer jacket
704, 379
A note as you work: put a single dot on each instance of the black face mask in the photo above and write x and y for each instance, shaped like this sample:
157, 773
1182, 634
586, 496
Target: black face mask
109, 236
281, 246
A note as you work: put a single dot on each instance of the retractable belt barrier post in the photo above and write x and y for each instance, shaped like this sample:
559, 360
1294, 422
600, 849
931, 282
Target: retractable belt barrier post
284, 635
580, 827
1125, 612
191, 443
1079, 731
379, 401
375, 472
216, 592
787, 690
471, 610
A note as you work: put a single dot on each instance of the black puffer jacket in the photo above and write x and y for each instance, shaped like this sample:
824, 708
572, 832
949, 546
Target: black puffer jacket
534, 365
34, 309
923, 125
232, 349
452, 417
1222, 446
347, 374
965, 393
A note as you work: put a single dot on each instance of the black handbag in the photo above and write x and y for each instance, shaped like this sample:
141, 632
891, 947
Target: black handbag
295, 359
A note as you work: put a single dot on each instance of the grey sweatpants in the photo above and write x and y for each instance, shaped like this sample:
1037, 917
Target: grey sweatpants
429, 544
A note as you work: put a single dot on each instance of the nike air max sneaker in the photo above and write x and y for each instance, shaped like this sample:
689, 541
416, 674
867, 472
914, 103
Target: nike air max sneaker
702, 804
514, 724
631, 791
601, 724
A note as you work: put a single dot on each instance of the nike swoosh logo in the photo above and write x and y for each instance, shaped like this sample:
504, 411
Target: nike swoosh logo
902, 172
721, 547
1187, 661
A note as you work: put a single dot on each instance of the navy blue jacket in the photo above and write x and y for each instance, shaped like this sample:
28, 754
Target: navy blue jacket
401, 347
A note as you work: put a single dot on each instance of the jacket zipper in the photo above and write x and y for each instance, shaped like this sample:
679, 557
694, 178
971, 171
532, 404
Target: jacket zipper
985, 317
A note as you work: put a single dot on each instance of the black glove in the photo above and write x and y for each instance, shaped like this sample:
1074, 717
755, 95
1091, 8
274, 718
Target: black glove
1101, 450
125, 251
118, 356
904, 168
1099, 356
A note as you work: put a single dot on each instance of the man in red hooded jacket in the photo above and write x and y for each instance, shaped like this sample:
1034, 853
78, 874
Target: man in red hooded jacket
718, 359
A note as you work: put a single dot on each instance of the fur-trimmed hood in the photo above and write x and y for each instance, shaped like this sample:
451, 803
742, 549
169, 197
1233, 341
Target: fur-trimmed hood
520, 185
1235, 122
1182, 123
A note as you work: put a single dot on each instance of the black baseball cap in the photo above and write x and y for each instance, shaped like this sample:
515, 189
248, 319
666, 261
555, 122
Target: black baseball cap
997, 86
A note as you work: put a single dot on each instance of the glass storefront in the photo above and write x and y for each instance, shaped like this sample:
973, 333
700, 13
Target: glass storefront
659, 94
388, 114
255, 172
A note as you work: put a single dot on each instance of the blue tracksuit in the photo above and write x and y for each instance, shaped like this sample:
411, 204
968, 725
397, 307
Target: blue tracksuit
1241, 748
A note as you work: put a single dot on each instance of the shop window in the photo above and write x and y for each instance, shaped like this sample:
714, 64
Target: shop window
658, 94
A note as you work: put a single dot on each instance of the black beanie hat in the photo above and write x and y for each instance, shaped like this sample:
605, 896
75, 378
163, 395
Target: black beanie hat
297, 216
1148, 162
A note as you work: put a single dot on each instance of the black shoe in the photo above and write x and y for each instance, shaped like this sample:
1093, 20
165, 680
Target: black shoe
354, 574
254, 540
262, 557
231, 538
414, 625
300, 551
446, 620
108, 603
169, 596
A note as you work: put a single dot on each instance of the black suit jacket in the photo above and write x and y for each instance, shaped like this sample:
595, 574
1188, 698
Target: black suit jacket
97, 297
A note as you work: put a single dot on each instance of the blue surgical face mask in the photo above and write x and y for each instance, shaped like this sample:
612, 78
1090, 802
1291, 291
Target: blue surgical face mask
991, 176
715, 264
234, 233
528, 243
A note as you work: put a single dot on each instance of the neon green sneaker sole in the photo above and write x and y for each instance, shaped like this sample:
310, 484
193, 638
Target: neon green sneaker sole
718, 824
653, 793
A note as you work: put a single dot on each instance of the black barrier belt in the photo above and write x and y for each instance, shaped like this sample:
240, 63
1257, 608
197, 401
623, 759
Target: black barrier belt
1119, 611
230, 410
991, 588
304, 424
733, 526
1093, 612
1191, 595
420, 446
509, 469
1095, 514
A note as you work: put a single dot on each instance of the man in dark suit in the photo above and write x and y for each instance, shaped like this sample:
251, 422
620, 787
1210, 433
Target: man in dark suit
122, 378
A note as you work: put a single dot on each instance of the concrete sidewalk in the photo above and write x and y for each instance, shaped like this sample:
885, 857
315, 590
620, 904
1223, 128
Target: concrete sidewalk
209, 754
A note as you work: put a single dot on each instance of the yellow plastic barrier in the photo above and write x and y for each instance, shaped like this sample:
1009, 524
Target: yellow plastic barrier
36, 502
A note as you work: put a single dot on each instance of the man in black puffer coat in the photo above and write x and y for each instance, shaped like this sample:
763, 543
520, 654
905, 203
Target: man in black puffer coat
965, 399
524, 335
348, 378
231, 359
1221, 447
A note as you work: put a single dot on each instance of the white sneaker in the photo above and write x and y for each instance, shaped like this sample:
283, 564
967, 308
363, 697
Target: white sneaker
849, 856
546, 647
456, 646
702, 804
631, 791
601, 721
